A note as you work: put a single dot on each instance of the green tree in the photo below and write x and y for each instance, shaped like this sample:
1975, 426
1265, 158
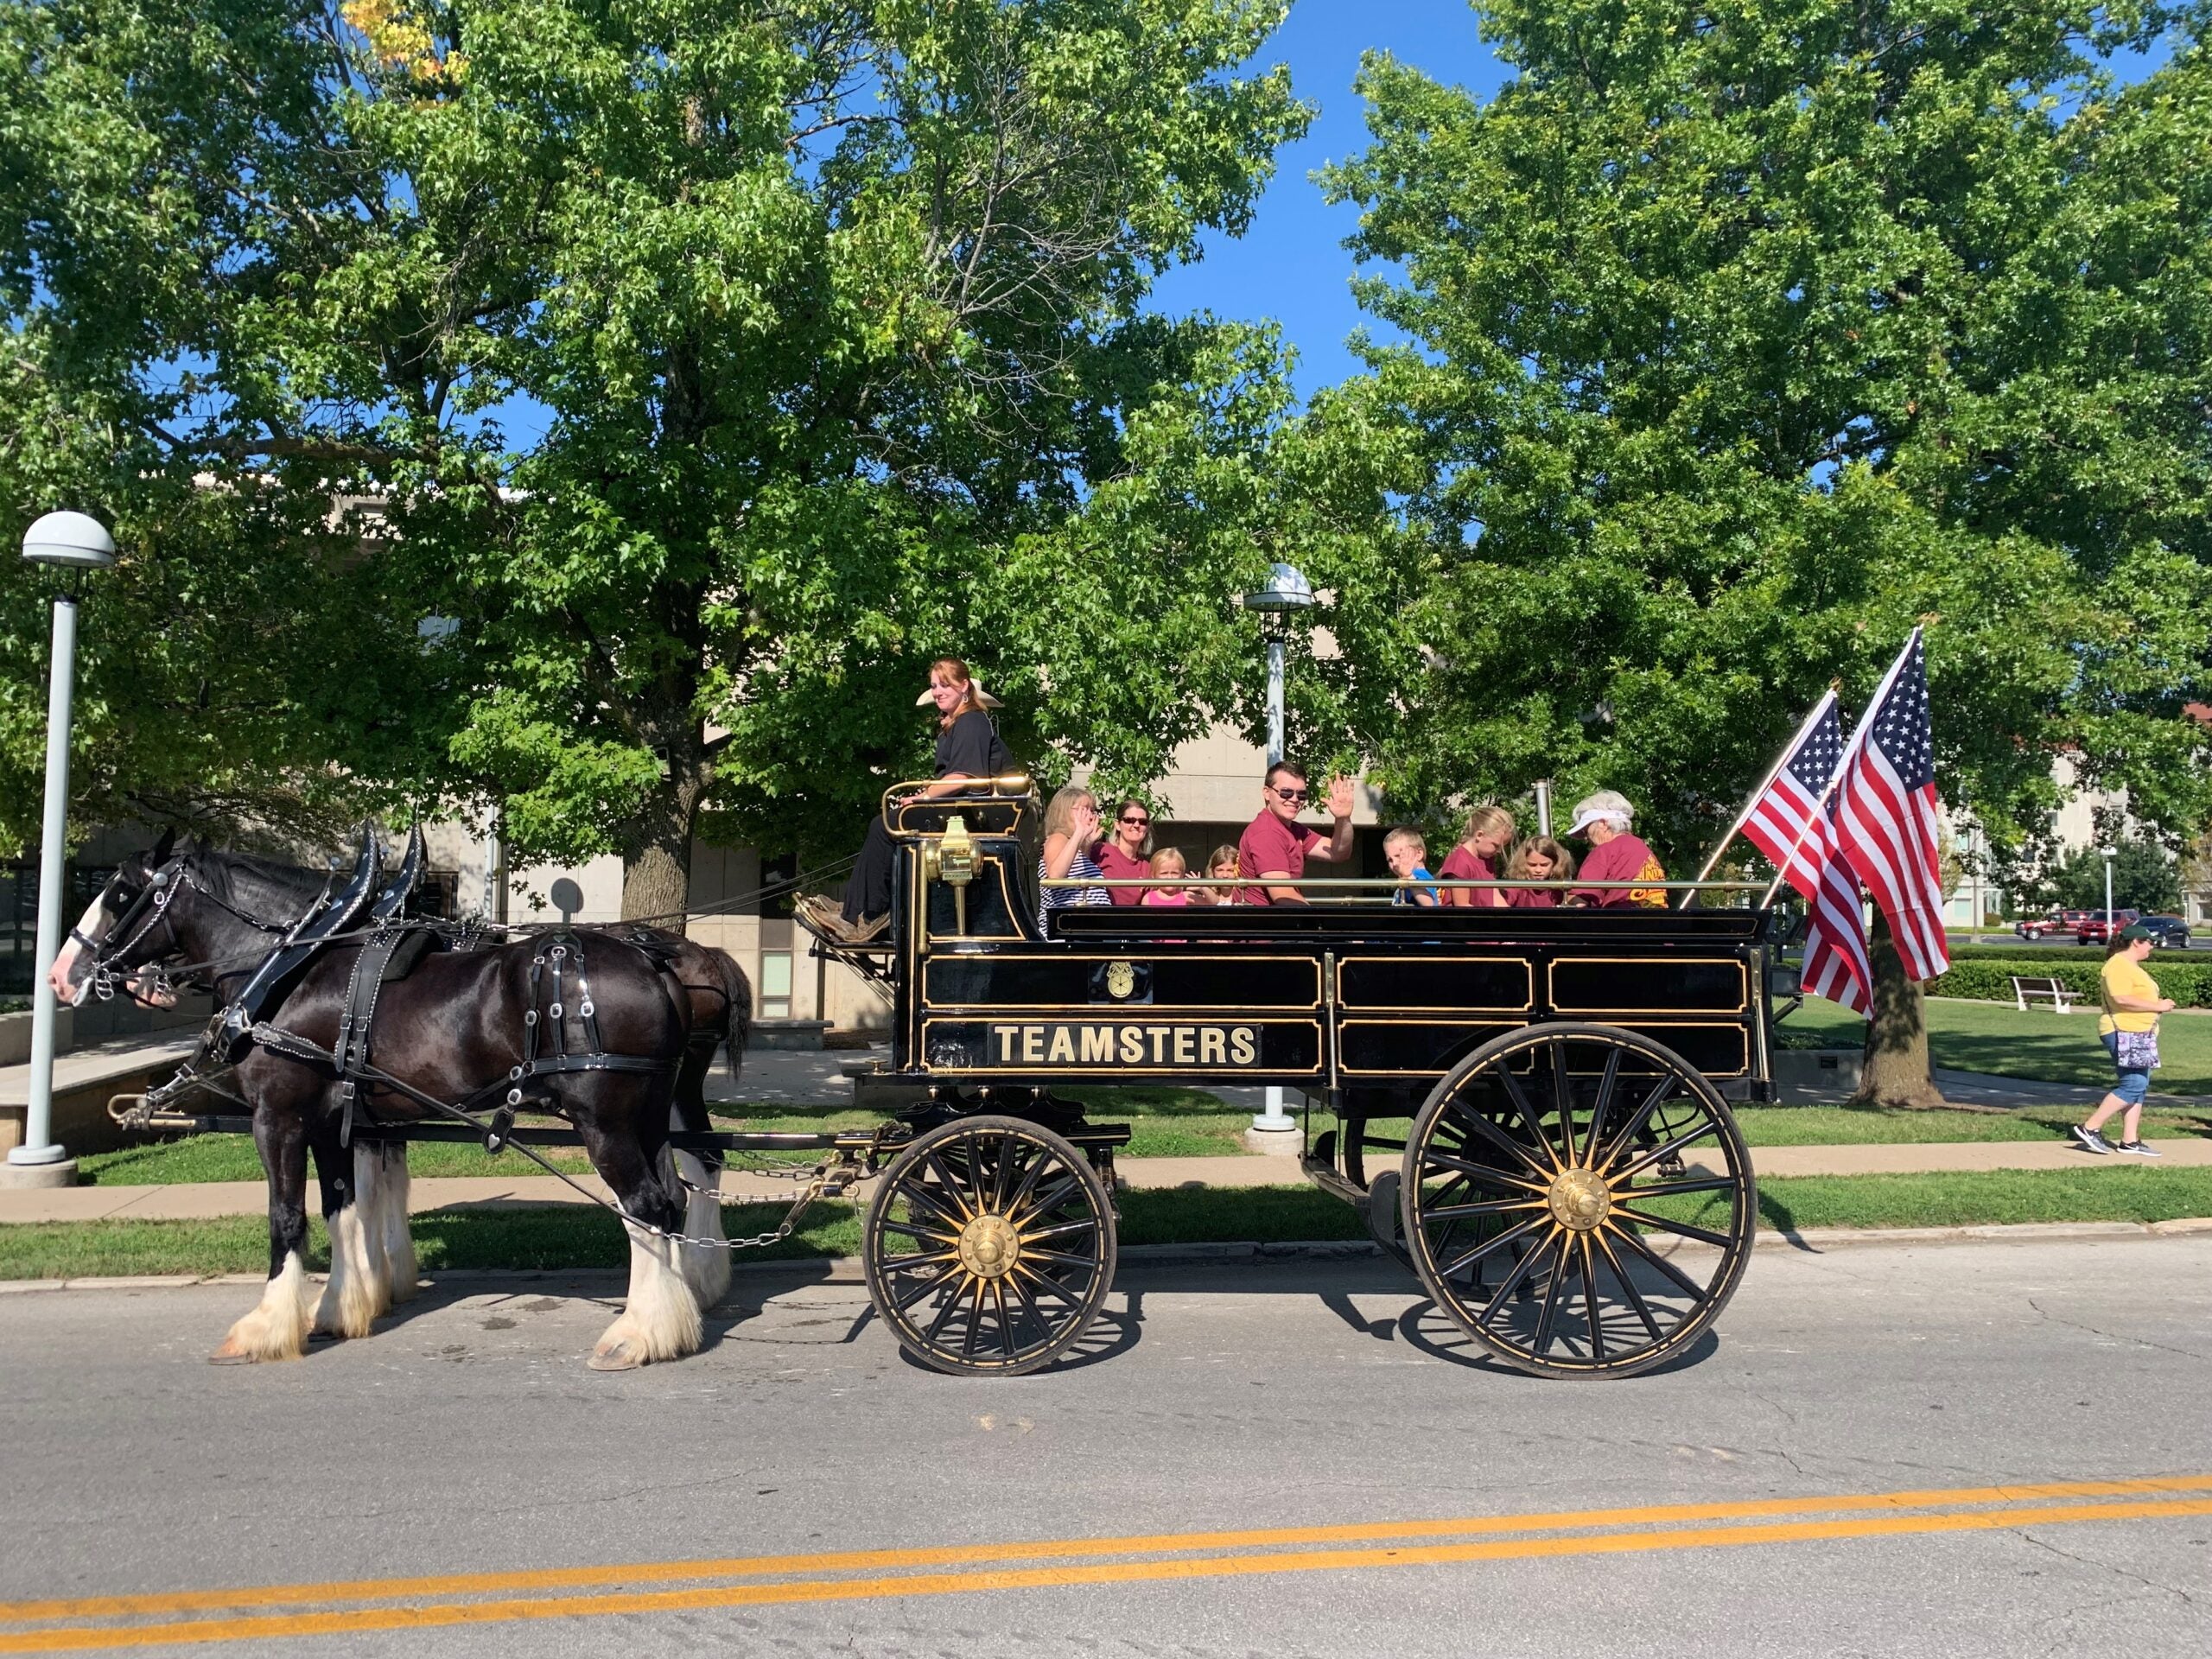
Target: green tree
2144, 878
234, 659
829, 312
1737, 338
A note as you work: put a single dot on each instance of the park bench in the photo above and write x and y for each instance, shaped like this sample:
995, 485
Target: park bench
2041, 989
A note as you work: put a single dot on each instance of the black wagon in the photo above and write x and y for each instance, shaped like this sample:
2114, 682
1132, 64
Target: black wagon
1531, 1106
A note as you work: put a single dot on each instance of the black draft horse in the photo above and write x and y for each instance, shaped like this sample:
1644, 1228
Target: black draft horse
451, 1026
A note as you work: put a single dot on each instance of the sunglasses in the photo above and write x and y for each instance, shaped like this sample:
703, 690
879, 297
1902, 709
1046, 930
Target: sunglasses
1141, 824
1290, 794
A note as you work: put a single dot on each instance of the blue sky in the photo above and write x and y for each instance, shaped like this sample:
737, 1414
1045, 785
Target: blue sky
1291, 265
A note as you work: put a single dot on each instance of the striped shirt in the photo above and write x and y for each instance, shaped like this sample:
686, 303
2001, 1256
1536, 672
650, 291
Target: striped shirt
1082, 868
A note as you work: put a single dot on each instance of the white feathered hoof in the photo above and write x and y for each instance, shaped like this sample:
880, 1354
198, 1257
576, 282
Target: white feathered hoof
661, 1319
277, 1328
380, 1185
355, 1294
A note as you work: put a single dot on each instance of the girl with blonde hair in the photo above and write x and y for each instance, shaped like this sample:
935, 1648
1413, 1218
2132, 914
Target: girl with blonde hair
1221, 877
1489, 832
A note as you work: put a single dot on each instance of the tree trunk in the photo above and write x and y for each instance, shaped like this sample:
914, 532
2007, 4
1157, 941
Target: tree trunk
1896, 1070
657, 875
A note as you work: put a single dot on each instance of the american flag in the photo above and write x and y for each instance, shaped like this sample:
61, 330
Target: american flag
1793, 823
1886, 813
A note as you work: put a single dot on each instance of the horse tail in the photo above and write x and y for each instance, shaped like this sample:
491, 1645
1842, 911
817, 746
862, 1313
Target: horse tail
737, 1007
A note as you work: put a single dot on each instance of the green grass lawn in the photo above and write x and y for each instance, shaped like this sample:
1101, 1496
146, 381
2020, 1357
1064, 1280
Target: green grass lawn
577, 1237
2052, 1047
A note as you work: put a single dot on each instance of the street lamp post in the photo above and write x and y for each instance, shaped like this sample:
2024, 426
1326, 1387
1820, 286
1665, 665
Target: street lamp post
75, 542
2108, 853
1287, 591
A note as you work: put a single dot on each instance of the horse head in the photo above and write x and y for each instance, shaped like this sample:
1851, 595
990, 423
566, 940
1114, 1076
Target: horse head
132, 906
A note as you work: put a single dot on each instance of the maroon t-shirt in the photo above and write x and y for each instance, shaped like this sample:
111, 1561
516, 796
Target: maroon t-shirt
1460, 865
1532, 898
1268, 843
1624, 858
1116, 864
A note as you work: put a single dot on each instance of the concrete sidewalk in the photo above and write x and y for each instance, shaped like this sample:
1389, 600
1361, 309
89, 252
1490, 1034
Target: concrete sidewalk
201, 1200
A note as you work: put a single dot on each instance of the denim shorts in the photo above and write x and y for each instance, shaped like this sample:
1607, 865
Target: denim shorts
2132, 1085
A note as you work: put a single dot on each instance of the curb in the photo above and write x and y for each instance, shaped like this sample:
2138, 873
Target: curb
847, 1269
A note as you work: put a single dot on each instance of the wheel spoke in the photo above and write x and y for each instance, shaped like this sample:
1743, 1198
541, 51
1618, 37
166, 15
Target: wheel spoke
1628, 1288
1476, 1254
1701, 1234
919, 1196
1687, 1286
1065, 1226
907, 1229
1051, 1201
974, 1320
1464, 1113
1528, 1110
976, 1150
1552, 1283
1005, 1326
1492, 1207
907, 1299
1487, 1173
1007, 1153
1563, 1101
1705, 1130
1668, 1189
1590, 1302
1029, 1307
945, 1314
1608, 1085
1015, 1199
1652, 1101
936, 1165
1051, 1287
1522, 1269
1088, 1263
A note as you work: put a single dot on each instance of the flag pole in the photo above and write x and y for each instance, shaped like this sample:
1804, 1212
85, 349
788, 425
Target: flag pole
1759, 793
1843, 764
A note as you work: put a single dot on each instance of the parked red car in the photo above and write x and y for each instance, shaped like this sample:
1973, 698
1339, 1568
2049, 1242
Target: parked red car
2036, 927
2094, 929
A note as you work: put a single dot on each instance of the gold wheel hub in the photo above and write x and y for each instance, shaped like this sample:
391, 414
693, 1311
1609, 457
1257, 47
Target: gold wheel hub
1580, 1199
990, 1246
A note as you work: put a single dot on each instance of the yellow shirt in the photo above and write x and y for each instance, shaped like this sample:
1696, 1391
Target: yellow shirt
2125, 977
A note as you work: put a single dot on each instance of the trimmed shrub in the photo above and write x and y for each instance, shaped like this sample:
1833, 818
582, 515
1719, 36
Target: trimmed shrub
2188, 983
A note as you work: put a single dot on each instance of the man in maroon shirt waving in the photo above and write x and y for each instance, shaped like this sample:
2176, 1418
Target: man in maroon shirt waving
1275, 846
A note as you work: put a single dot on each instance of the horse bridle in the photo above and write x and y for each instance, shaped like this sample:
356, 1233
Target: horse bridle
138, 919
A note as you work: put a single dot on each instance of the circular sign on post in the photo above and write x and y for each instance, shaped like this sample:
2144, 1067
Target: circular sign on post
69, 539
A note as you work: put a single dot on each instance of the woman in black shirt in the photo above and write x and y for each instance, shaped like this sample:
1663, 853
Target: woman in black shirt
968, 746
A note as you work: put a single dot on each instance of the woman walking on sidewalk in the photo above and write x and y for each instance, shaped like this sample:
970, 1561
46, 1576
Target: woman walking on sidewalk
2130, 1030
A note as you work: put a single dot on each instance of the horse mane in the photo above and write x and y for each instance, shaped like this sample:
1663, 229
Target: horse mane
242, 878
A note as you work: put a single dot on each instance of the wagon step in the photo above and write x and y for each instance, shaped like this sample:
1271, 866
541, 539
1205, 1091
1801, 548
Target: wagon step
1378, 1203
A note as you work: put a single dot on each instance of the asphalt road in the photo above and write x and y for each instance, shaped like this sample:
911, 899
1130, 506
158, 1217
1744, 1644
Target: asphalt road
467, 1439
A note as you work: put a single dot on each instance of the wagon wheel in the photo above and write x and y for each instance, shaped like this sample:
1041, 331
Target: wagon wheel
1579, 1199
989, 1246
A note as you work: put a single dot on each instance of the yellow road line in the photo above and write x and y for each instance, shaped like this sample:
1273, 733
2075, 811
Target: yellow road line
363, 1620
633, 1573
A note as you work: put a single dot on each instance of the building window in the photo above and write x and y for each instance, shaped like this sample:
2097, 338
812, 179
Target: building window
775, 984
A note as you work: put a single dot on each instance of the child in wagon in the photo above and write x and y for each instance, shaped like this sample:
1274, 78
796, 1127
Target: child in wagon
1407, 856
1539, 858
1167, 864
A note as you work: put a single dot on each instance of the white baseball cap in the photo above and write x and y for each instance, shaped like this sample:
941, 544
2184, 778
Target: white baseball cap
1605, 804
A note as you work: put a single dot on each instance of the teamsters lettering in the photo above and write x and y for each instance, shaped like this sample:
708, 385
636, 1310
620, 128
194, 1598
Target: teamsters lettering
1101, 1045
